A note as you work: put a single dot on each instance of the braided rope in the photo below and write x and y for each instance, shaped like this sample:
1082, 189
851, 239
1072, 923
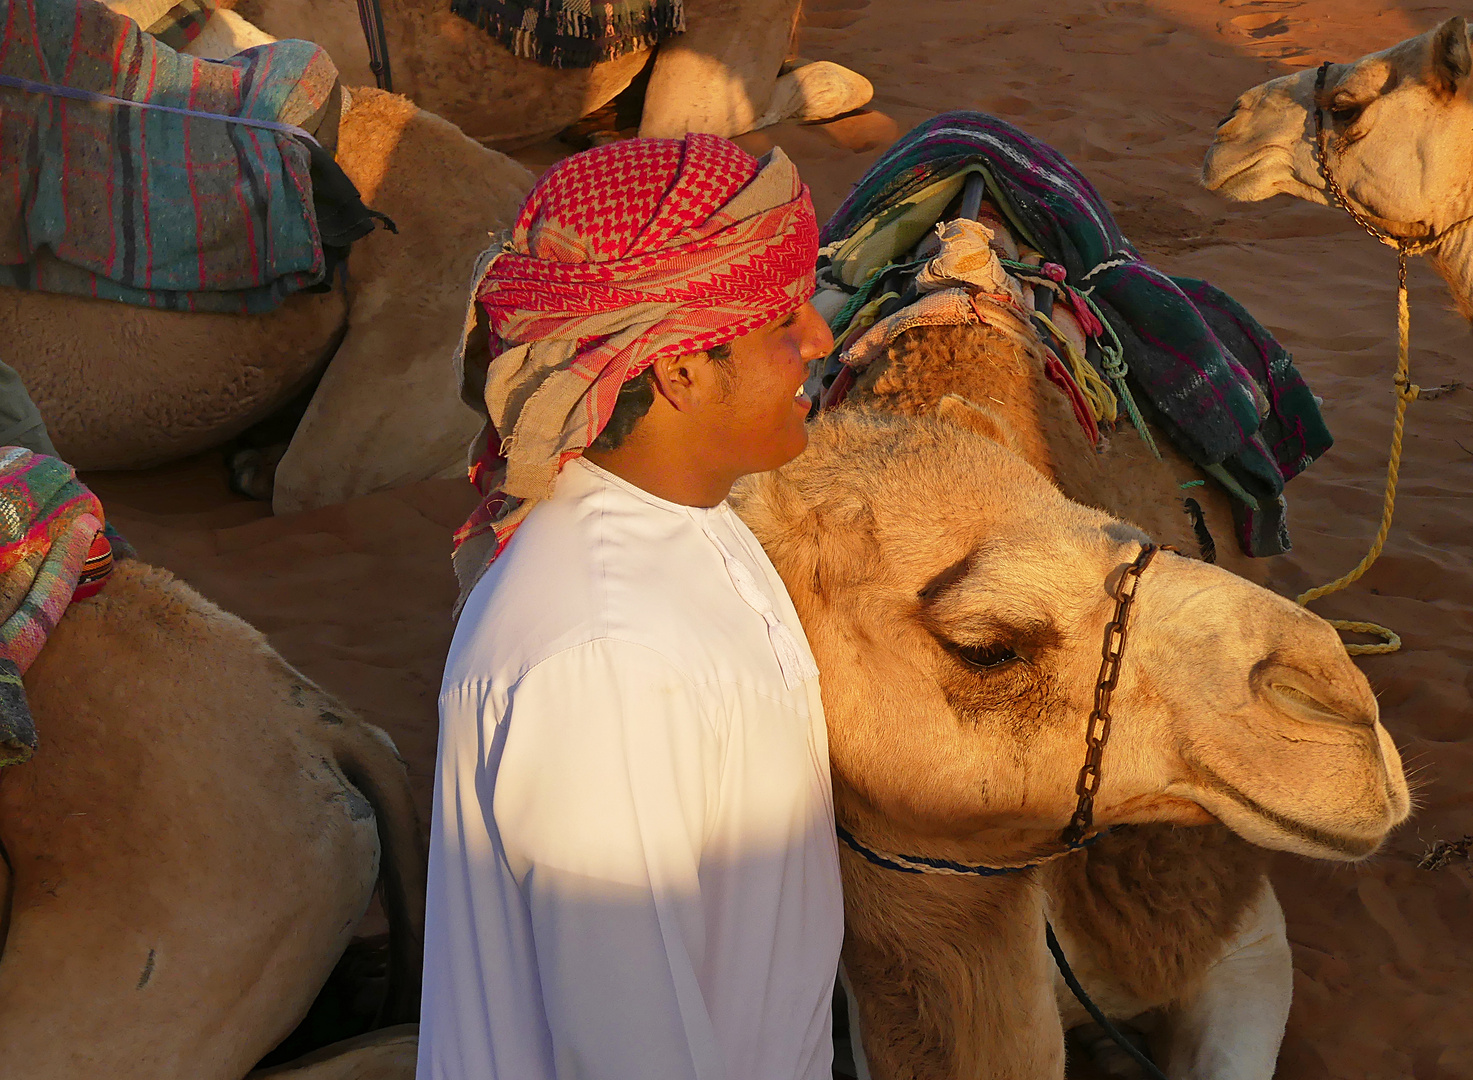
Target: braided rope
1406, 391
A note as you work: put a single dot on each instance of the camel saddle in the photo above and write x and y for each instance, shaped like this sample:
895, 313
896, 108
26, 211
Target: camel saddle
146, 176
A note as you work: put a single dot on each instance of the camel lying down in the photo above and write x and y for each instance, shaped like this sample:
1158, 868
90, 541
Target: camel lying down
956, 603
190, 849
199, 831
126, 387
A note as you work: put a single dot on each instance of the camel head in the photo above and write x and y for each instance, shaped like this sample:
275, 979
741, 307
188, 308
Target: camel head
957, 603
1398, 132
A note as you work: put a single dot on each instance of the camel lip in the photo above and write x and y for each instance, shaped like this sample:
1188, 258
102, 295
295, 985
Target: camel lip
1349, 848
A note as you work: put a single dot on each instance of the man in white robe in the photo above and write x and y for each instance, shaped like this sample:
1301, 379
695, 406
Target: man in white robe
633, 870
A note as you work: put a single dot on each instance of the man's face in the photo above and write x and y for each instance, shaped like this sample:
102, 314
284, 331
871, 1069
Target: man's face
761, 414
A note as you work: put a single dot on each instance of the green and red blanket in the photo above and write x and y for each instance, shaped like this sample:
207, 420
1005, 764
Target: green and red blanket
150, 207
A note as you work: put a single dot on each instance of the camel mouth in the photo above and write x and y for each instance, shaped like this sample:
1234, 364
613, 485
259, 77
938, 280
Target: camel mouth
1310, 839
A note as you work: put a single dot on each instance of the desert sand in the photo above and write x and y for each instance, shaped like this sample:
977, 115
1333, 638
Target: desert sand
358, 596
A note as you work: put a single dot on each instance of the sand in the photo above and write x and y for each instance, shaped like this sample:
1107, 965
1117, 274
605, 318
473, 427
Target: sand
358, 595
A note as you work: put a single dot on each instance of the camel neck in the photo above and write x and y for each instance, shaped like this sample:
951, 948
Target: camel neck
917, 989
1453, 261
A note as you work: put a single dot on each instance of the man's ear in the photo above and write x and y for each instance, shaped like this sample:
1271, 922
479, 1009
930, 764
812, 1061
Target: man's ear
1451, 62
688, 381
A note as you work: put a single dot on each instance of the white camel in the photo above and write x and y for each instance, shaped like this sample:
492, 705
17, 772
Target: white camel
1398, 139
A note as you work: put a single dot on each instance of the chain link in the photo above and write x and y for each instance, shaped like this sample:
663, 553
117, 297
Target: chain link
1322, 159
1097, 733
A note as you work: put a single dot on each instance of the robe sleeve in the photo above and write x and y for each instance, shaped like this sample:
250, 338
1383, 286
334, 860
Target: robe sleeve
604, 797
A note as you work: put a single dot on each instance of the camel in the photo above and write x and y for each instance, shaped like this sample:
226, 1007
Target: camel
724, 75
190, 849
1399, 133
956, 601
126, 387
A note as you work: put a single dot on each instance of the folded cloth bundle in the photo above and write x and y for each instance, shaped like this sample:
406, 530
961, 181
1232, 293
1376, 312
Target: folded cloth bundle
52, 551
156, 208
1226, 393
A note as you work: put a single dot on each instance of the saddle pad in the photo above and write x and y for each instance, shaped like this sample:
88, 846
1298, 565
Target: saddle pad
1226, 393
150, 207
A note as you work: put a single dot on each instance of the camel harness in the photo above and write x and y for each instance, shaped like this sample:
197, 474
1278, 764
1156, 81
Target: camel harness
1406, 390
1076, 834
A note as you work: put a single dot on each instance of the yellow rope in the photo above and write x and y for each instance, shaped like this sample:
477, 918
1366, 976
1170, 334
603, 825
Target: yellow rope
1406, 391
1102, 401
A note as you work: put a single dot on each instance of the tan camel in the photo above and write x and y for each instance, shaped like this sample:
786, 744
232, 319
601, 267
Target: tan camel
129, 387
956, 602
190, 848
1399, 134
720, 76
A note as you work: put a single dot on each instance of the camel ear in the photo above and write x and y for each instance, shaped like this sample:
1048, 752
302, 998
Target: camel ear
1451, 62
979, 418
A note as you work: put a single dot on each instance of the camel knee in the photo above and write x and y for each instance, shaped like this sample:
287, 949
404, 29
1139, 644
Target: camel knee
1231, 1027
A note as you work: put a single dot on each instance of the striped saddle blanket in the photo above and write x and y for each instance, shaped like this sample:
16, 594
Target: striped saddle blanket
153, 207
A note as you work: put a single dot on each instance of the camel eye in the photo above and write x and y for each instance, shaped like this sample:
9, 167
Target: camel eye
985, 657
1343, 112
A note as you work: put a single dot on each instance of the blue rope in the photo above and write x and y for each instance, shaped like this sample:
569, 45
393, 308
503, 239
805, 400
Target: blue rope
90, 95
923, 865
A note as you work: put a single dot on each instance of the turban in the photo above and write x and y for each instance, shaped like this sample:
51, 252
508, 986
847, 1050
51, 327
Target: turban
620, 255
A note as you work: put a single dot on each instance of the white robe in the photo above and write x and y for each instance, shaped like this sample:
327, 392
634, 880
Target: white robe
633, 871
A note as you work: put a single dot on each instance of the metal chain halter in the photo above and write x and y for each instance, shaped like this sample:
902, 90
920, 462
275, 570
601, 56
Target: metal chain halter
1404, 247
1098, 732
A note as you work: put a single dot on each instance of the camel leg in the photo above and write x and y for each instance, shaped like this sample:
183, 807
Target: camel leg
388, 1054
382, 415
718, 76
1231, 1028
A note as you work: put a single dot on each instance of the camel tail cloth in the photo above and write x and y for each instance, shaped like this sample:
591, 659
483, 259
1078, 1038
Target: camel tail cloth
52, 551
575, 33
109, 195
620, 255
1227, 394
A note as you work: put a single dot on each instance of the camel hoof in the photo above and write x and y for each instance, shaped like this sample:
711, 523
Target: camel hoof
253, 470
1102, 1052
816, 91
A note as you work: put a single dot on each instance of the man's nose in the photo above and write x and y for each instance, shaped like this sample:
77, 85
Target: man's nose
817, 340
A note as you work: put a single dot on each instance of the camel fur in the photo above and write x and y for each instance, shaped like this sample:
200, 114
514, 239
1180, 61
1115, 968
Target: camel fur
724, 75
955, 601
126, 387
1399, 127
191, 847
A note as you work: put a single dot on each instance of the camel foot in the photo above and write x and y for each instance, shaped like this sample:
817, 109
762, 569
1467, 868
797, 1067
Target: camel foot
811, 91
1090, 1042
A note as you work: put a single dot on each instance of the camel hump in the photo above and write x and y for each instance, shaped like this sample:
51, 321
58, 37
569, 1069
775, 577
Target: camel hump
147, 618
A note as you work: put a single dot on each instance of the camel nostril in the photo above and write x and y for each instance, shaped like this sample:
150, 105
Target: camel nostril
1224, 121
1295, 700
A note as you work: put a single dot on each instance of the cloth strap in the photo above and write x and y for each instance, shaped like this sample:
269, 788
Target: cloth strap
91, 95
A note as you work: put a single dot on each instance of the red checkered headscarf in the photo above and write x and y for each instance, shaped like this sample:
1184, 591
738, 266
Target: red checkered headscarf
620, 255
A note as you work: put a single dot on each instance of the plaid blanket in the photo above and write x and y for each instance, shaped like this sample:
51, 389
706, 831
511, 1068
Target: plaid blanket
150, 207
52, 551
1226, 393
575, 33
